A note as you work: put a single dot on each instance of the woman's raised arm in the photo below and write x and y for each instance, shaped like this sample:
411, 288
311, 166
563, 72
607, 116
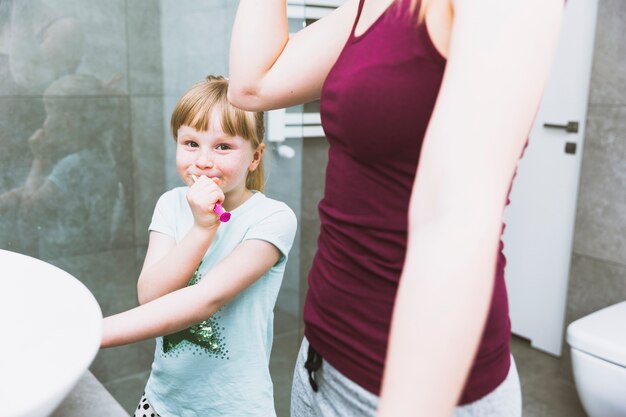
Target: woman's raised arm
269, 69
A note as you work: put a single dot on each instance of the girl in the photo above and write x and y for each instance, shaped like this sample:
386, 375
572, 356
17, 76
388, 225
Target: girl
426, 107
207, 289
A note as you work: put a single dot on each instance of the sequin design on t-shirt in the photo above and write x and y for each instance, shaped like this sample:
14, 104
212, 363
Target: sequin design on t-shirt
202, 338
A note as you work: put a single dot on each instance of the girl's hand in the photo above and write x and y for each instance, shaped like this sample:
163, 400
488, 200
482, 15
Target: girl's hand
48, 149
202, 196
39, 145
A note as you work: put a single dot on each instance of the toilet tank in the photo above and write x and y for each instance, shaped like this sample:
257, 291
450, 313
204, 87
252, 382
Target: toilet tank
598, 343
601, 334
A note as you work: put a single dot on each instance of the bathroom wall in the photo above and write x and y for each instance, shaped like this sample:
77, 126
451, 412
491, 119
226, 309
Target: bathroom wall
135, 59
86, 90
598, 273
81, 146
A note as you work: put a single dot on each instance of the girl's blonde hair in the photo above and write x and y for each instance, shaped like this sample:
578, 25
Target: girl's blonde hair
195, 107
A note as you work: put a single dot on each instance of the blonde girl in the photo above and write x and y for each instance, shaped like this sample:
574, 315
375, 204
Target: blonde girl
207, 289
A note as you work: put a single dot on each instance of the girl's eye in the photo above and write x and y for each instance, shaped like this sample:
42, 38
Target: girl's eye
192, 144
223, 147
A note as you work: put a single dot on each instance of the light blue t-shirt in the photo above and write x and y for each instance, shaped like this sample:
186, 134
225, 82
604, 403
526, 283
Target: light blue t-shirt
220, 366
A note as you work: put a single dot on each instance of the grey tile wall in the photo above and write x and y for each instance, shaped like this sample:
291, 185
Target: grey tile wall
134, 59
600, 220
314, 169
81, 115
284, 183
143, 22
196, 36
148, 159
598, 273
608, 79
20, 117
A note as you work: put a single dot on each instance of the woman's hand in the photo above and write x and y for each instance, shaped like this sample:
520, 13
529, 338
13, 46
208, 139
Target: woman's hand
202, 197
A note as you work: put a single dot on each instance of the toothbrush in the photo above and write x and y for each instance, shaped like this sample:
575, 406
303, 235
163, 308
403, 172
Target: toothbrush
218, 209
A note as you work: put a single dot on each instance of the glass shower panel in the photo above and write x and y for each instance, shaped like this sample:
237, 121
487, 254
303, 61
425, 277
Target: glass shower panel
86, 92
80, 108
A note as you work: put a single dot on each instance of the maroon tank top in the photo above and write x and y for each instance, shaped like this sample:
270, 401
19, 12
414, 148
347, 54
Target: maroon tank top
375, 106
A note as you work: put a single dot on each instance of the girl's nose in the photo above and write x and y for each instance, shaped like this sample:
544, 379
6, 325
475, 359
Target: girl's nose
205, 160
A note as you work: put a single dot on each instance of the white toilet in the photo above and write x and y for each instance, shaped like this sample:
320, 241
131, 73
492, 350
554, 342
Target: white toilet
598, 343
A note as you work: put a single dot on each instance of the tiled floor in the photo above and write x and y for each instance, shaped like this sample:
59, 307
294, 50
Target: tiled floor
281, 368
127, 391
546, 392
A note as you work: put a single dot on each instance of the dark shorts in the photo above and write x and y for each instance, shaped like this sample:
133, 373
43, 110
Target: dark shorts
144, 409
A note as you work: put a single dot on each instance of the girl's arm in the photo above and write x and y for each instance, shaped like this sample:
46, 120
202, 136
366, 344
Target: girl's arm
182, 308
499, 59
268, 69
169, 266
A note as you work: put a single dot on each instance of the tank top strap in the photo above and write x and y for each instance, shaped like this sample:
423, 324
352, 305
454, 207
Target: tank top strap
358, 16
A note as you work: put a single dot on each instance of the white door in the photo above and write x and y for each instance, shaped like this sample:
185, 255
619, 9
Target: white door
540, 218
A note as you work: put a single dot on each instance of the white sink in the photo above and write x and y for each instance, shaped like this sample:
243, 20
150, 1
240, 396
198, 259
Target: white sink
50, 331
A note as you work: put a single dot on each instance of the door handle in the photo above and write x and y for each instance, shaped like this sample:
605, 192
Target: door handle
570, 127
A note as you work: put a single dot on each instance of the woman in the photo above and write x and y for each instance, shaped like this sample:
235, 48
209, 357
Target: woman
426, 108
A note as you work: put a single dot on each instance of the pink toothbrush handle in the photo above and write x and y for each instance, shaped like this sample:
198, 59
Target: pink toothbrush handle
219, 210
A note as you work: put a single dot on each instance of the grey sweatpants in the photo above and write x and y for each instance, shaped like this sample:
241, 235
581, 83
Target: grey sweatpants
338, 396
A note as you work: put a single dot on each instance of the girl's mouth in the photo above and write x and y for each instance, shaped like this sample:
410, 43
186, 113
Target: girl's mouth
194, 178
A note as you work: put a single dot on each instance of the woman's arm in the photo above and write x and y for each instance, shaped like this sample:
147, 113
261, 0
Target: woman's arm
499, 59
190, 305
269, 70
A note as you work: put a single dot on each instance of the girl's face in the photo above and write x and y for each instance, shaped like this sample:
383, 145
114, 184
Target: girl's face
59, 135
217, 155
